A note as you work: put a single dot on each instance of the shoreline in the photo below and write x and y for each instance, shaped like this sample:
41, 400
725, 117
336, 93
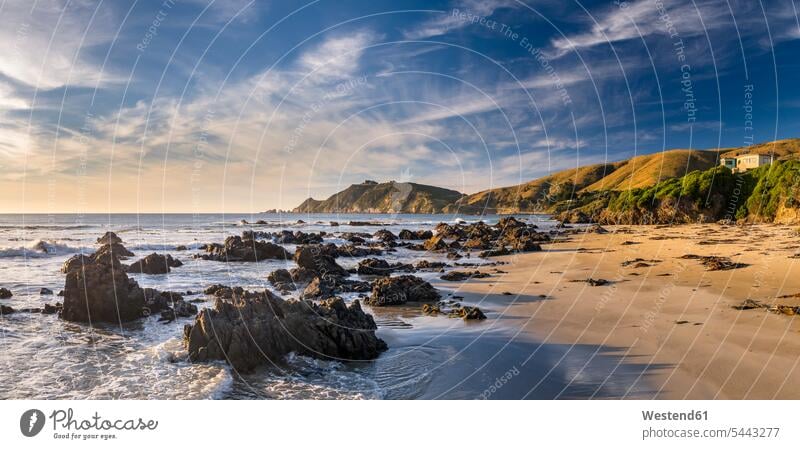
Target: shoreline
673, 316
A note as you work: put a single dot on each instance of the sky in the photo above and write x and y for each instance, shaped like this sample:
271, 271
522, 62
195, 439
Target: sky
242, 106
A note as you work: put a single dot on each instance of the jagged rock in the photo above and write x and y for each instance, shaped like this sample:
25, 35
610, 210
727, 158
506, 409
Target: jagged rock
428, 265
238, 249
154, 264
350, 250
467, 313
5, 293
76, 261
6, 310
502, 251
380, 267
45, 291
385, 235
181, 248
405, 234
327, 286
435, 243
49, 309
112, 250
101, 291
317, 259
258, 328
401, 289
463, 275
109, 238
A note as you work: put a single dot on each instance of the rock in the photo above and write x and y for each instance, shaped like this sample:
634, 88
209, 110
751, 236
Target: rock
45, 291
259, 328
327, 286
181, 248
109, 238
428, 265
154, 264
501, 251
435, 243
6, 310
5, 293
716, 263
76, 261
463, 275
597, 282
380, 267
357, 251
749, 304
405, 234
112, 250
596, 229
507, 223
401, 289
334, 223
467, 313
385, 235
238, 249
317, 258
431, 309
51, 309
101, 291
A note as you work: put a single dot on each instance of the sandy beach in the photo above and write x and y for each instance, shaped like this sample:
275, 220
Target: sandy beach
672, 317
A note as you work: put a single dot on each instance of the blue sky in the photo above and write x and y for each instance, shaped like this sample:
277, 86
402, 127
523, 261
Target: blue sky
238, 106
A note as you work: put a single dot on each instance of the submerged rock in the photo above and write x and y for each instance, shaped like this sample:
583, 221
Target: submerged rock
6, 310
5, 293
401, 289
327, 286
258, 328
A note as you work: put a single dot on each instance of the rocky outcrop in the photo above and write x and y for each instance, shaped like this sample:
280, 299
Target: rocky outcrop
463, 275
327, 286
170, 305
251, 329
405, 234
385, 235
244, 249
380, 267
97, 289
5, 293
318, 259
154, 264
400, 290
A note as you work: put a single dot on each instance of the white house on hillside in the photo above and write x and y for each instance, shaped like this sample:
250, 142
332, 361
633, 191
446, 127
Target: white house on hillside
745, 162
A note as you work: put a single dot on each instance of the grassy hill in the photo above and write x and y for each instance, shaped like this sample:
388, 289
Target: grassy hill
540, 194
387, 197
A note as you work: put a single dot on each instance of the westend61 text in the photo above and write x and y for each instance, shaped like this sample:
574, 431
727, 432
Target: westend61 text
691, 415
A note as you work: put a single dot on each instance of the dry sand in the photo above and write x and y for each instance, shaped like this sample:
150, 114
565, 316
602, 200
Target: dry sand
672, 315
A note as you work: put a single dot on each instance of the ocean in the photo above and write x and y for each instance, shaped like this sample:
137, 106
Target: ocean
43, 357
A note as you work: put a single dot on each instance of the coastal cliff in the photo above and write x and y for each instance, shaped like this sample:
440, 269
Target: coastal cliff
386, 197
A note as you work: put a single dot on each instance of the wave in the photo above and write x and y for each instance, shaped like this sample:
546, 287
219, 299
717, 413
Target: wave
40, 248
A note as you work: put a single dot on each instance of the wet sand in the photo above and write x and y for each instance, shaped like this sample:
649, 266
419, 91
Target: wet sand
667, 321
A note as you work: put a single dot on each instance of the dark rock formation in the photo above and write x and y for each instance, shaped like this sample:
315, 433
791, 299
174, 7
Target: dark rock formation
5, 293
380, 267
399, 290
463, 275
405, 234
244, 249
154, 264
318, 259
257, 328
327, 286
100, 290
385, 235
45, 291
